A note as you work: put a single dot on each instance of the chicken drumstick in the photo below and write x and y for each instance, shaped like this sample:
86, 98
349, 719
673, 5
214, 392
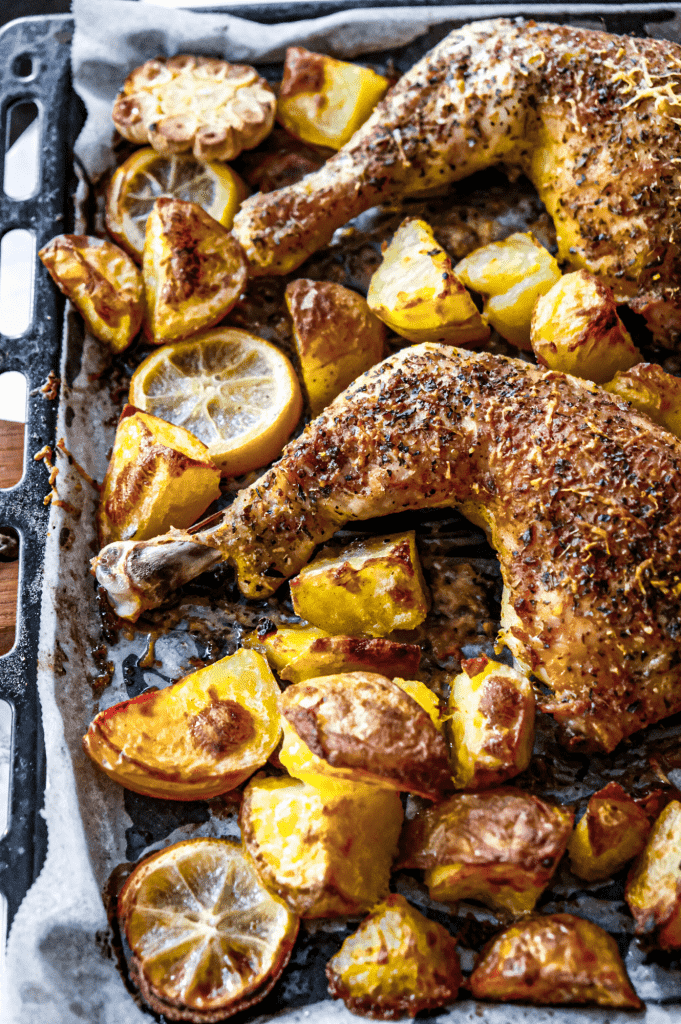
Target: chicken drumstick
594, 120
581, 498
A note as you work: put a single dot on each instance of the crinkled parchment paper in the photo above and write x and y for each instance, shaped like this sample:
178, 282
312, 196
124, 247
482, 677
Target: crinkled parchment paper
59, 967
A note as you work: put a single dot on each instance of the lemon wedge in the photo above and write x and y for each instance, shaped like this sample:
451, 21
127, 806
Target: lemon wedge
234, 391
146, 176
206, 938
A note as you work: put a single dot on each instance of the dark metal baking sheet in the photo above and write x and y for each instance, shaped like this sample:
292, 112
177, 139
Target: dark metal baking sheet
22, 850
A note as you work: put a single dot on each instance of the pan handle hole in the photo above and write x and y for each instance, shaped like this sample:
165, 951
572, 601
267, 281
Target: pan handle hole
22, 66
6, 729
22, 150
17, 268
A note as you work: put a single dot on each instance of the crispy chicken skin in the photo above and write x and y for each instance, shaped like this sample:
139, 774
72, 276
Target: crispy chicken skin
592, 119
581, 497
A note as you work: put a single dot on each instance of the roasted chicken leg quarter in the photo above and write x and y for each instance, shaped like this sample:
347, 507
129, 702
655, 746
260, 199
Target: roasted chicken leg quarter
594, 121
580, 495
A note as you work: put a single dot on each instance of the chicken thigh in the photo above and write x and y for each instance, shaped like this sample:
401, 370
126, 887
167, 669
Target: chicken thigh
594, 120
581, 498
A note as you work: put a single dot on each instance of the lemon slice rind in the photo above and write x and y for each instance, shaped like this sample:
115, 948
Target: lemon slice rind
233, 390
206, 938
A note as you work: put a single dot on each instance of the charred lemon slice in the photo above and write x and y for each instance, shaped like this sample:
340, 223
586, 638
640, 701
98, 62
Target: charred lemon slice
206, 938
235, 392
146, 176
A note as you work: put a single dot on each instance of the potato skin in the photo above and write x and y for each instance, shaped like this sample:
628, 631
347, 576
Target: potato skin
159, 476
653, 889
336, 335
397, 963
651, 391
193, 269
553, 960
372, 587
323, 101
613, 830
491, 724
363, 726
500, 846
576, 329
326, 851
102, 282
416, 292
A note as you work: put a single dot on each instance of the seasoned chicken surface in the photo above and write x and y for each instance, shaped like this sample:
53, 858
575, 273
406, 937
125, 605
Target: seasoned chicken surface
594, 120
581, 497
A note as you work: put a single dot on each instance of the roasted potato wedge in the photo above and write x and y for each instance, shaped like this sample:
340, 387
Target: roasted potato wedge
416, 293
500, 846
653, 890
324, 852
195, 739
362, 726
193, 269
202, 104
511, 275
552, 960
651, 391
491, 708
613, 830
102, 282
337, 337
396, 964
307, 652
159, 476
324, 101
576, 329
374, 587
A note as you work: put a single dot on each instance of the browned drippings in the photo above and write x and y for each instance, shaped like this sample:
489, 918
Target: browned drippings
222, 727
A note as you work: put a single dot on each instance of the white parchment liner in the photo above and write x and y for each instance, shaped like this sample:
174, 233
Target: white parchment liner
58, 968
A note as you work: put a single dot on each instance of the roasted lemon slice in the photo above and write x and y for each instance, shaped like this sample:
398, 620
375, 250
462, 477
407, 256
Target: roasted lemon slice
146, 176
206, 938
235, 392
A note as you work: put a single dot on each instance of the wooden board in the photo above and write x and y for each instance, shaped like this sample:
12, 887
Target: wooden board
11, 467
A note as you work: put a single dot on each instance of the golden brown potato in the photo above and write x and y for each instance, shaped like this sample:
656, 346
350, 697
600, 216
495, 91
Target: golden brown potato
500, 846
195, 739
325, 852
418, 295
374, 587
651, 391
102, 282
397, 963
336, 335
491, 724
653, 890
613, 830
576, 329
201, 104
511, 275
159, 476
194, 270
555, 959
324, 101
298, 653
362, 726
